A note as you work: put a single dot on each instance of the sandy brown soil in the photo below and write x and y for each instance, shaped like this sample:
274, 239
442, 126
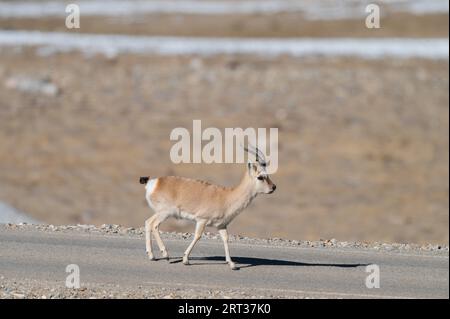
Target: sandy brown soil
257, 25
363, 144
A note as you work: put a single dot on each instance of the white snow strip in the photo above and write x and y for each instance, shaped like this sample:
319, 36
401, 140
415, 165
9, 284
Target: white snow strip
312, 9
10, 215
111, 45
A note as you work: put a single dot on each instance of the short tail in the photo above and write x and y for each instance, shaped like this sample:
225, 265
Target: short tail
144, 179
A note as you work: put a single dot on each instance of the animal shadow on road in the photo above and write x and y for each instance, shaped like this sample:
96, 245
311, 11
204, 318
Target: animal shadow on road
246, 262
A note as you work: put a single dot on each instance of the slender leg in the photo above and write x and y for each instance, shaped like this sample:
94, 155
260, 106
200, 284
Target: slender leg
148, 237
224, 234
199, 227
155, 231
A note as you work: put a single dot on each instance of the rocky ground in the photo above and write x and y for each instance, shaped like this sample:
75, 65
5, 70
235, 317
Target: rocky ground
33, 289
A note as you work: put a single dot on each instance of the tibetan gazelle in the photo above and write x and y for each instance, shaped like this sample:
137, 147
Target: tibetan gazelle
204, 203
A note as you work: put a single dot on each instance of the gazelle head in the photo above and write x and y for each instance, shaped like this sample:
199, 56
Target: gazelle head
257, 172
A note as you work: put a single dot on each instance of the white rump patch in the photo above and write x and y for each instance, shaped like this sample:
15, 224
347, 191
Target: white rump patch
150, 187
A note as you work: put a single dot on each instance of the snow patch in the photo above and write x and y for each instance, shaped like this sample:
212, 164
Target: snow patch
9, 214
111, 45
317, 9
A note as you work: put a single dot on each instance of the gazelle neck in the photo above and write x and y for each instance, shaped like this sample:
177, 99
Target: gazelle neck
241, 196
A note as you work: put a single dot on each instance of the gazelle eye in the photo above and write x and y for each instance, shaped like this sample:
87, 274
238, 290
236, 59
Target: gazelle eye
260, 177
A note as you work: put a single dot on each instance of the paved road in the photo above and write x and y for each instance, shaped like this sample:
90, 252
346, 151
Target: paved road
316, 272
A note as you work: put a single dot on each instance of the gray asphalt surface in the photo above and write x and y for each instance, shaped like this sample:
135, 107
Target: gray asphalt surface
315, 272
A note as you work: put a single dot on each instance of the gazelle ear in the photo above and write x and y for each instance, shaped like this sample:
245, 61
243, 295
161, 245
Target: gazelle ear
251, 167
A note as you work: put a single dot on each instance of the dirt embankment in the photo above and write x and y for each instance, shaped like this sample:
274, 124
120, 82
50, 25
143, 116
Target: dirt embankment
279, 25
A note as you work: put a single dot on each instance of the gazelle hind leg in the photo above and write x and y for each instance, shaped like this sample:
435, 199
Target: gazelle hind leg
148, 237
224, 234
155, 230
199, 228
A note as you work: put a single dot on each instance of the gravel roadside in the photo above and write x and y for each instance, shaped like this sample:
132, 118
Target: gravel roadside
33, 289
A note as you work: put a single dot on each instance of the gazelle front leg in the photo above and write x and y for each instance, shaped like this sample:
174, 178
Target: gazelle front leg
148, 237
199, 227
224, 234
155, 230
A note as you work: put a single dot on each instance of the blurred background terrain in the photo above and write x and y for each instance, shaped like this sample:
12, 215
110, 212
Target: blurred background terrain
363, 140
